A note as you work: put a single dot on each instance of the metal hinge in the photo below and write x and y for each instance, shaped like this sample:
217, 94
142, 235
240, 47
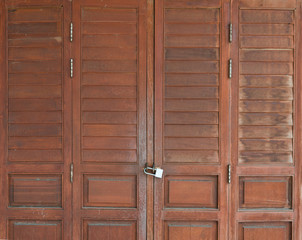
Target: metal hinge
71, 32
230, 68
71, 67
229, 173
71, 172
231, 32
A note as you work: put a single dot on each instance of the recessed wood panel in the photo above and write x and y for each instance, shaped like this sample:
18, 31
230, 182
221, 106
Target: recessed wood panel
193, 191
109, 191
36, 78
194, 42
191, 79
35, 190
191, 118
191, 131
265, 157
191, 92
109, 230
191, 15
266, 16
109, 40
266, 81
30, 155
268, 3
191, 230
265, 192
189, 28
266, 106
109, 130
112, 79
114, 156
192, 3
267, 42
33, 2
108, 15
191, 143
266, 29
266, 55
192, 156
266, 132
265, 230
35, 230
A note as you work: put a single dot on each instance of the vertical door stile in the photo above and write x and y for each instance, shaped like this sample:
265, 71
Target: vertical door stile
77, 199
3, 120
67, 121
297, 226
150, 25
232, 199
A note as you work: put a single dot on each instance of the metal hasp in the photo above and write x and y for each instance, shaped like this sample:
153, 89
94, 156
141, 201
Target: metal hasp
71, 172
71, 67
231, 32
229, 173
71, 32
157, 172
230, 68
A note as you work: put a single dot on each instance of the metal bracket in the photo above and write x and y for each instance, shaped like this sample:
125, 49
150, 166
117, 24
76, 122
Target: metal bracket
71, 172
229, 173
230, 68
71, 32
71, 67
231, 32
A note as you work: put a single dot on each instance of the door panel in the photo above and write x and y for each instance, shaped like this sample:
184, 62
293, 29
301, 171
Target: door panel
109, 120
35, 116
189, 143
266, 91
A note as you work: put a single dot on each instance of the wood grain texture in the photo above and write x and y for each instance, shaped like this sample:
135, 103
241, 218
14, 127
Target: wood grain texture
35, 191
123, 192
35, 82
270, 231
194, 188
265, 192
27, 229
190, 230
266, 91
268, 3
96, 229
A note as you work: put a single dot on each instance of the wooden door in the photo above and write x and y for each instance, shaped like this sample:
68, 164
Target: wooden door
109, 120
191, 120
73, 149
35, 116
266, 120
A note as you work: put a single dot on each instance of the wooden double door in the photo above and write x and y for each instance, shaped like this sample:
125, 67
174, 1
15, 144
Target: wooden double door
92, 91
